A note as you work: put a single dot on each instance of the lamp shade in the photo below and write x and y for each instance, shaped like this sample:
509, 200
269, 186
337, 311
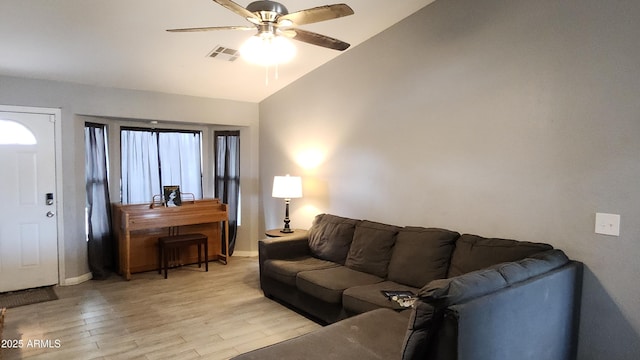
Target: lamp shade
287, 187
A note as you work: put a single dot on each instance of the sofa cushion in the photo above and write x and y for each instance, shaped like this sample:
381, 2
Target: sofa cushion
328, 284
372, 336
286, 270
371, 247
445, 292
422, 326
421, 255
474, 252
330, 237
363, 298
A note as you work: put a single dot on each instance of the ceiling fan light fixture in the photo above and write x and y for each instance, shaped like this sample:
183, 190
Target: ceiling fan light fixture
267, 49
285, 23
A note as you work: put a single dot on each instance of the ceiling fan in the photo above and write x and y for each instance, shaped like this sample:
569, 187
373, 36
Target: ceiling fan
272, 19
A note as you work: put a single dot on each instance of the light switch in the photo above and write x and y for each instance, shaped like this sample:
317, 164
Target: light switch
608, 224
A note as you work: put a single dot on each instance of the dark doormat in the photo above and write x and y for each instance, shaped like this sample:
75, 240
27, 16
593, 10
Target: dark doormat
13, 299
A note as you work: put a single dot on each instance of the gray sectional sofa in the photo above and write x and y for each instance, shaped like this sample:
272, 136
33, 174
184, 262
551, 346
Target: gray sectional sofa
478, 298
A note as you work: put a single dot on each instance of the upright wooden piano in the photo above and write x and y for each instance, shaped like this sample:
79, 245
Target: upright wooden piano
138, 226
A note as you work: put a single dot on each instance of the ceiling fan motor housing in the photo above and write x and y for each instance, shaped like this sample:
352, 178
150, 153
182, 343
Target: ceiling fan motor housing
267, 10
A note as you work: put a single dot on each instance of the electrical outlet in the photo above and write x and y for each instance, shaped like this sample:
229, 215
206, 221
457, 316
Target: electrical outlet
608, 224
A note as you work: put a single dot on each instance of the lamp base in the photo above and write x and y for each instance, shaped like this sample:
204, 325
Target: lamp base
286, 229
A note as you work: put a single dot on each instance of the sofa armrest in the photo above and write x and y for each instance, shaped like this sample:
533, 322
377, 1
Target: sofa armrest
286, 247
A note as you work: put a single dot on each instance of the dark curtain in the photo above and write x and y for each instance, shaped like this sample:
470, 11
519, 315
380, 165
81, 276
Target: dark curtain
100, 242
227, 183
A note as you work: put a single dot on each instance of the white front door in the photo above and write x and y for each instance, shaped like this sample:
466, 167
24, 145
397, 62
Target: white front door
28, 225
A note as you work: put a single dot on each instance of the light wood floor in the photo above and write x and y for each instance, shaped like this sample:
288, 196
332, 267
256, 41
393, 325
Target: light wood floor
191, 315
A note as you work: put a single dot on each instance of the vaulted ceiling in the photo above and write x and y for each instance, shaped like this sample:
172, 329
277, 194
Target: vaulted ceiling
123, 44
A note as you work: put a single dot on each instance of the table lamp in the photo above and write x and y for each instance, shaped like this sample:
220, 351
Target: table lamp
287, 188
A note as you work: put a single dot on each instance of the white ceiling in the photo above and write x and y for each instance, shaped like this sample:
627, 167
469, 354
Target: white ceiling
123, 43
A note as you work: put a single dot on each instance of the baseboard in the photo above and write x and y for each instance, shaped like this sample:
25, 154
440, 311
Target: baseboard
245, 254
77, 280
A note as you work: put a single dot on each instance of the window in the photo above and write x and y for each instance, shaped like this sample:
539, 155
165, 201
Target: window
155, 158
13, 133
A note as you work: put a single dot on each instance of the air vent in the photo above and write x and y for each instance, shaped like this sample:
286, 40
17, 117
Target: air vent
224, 53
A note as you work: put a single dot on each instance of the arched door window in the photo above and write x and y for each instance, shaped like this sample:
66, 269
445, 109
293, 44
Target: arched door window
14, 133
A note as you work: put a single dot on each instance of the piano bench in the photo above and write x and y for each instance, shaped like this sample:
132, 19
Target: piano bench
179, 241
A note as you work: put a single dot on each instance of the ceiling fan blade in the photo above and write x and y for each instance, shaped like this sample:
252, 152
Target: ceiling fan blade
320, 40
213, 28
238, 10
317, 14
289, 33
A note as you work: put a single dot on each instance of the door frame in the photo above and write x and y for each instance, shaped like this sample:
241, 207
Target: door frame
55, 115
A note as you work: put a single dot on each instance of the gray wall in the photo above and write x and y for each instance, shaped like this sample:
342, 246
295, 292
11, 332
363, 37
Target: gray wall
515, 119
80, 103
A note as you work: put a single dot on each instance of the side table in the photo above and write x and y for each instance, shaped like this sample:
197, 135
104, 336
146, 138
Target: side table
276, 232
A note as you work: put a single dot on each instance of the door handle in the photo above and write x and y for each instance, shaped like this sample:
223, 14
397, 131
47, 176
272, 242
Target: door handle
50, 214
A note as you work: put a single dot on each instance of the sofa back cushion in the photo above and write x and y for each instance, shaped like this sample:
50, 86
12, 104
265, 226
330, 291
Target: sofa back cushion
330, 237
370, 250
458, 289
474, 252
421, 255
